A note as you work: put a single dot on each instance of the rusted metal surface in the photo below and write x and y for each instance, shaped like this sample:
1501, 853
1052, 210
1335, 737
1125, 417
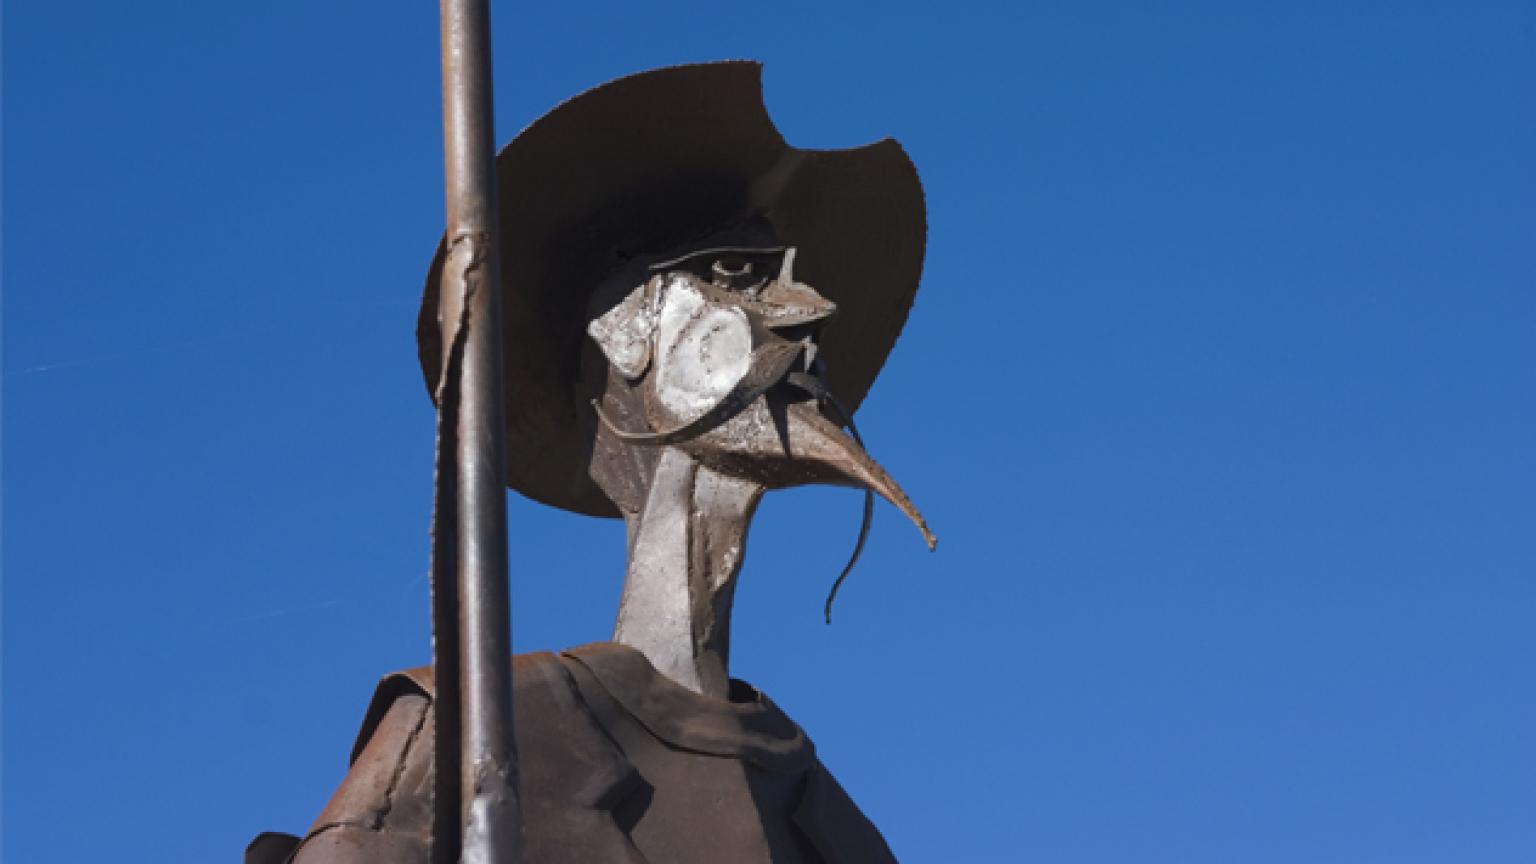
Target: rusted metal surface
476, 801
694, 310
630, 768
683, 152
716, 353
699, 208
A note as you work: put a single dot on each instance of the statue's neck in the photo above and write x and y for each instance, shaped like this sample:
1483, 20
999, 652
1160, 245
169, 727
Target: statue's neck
685, 549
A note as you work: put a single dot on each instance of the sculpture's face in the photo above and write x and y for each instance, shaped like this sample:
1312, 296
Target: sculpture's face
715, 353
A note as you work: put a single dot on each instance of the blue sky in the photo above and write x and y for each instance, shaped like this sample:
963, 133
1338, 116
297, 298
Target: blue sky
1220, 393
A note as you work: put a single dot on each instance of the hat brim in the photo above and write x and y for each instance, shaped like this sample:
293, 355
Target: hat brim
639, 165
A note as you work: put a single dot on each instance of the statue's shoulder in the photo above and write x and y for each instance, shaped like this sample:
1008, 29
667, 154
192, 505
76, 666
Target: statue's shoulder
531, 673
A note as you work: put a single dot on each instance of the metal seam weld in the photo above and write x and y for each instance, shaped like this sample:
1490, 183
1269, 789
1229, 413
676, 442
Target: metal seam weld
443, 565
478, 242
399, 772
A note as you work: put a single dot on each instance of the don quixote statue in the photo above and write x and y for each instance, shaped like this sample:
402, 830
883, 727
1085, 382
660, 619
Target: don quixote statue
691, 310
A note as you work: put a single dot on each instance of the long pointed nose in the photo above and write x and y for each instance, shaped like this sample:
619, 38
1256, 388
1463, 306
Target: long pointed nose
801, 447
815, 440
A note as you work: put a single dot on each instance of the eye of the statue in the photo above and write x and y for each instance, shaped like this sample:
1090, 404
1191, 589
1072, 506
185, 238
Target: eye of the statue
742, 270
739, 273
731, 267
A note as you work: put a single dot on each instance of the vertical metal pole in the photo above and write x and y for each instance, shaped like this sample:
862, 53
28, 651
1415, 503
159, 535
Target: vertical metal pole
489, 817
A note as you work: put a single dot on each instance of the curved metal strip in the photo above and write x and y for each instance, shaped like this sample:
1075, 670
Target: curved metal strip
823, 394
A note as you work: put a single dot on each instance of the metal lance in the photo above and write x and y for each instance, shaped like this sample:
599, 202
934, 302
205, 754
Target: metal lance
476, 815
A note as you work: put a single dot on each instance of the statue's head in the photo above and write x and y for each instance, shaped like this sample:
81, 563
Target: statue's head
677, 276
715, 350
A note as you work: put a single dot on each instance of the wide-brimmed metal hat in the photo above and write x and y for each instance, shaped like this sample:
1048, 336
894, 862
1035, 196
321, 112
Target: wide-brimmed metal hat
647, 163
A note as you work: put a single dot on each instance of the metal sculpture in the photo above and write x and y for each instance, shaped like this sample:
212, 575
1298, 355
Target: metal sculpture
714, 357
692, 310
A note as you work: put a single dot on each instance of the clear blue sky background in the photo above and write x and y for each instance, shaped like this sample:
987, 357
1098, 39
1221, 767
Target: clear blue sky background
1220, 392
